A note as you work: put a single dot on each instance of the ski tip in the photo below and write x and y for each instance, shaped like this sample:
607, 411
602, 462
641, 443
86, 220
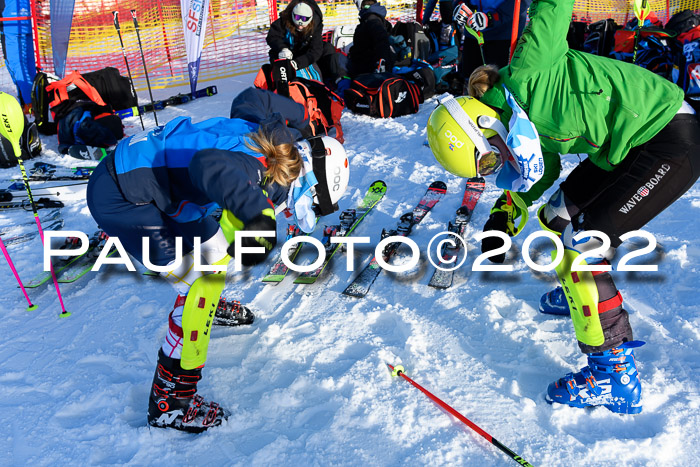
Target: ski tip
438, 185
305, 280
272, 279
32, 307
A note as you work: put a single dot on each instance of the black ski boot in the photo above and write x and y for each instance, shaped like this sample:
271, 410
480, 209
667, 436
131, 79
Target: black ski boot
174, 402
232, 313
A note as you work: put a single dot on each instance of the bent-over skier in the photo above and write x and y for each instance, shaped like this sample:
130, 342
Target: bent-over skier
164, 183
643, 146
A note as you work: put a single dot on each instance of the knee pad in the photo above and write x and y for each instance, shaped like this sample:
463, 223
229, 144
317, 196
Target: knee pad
197, 317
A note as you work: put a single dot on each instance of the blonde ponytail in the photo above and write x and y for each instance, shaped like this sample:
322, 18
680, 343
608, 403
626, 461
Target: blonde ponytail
283, 160
482, 79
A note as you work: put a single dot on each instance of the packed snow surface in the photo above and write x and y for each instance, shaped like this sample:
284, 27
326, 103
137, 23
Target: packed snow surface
308, 384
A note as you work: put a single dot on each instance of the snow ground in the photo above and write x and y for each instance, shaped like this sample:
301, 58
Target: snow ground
307, 382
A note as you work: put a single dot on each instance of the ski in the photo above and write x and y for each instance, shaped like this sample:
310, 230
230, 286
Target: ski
43, 171
48, 190
88, 153
85, 262
442, 279
41, 203
55, 224
45, 219
63, 264
279, 270
349, 220
161, 104
360, 286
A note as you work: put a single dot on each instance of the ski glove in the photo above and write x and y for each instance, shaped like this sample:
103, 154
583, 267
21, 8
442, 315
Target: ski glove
461, 14
478, 21
285, 54
503, 215
264, 221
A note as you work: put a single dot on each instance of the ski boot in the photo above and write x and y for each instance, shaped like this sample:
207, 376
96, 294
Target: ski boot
610, 380
554, 303
232, 313
174, 402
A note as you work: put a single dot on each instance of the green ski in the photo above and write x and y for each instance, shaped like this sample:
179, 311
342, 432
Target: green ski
349, 220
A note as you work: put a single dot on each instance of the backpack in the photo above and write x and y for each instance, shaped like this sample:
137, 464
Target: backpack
322, 106
601, 37
421, 74
30, 144
383, 95
105, 87
656, 55
415, 38
682, 21
40, 105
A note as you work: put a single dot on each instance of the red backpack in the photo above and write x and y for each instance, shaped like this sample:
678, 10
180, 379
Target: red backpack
322, 106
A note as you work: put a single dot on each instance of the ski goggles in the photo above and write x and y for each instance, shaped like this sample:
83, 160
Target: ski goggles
489, 163
301, 19
487, 158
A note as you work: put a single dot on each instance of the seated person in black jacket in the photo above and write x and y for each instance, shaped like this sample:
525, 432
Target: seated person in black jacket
297, 36
371, 51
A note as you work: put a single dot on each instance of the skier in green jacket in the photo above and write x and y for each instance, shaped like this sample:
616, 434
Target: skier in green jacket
643, 146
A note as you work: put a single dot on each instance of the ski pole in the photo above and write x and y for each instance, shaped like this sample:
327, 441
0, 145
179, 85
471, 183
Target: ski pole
12, 120
143, 59
31, 306
641, 11
399, 371
115, 13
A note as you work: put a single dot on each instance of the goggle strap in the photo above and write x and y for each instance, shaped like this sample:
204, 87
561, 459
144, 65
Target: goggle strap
465, 122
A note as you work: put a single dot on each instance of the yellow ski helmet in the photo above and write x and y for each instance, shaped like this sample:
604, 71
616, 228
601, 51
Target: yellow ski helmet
458, 132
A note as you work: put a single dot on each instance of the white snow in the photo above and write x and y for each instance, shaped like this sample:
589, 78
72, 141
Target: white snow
307, 383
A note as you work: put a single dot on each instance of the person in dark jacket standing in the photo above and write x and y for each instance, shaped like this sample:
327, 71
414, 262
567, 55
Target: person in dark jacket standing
371, 51
494, 19
298, 36
157, 191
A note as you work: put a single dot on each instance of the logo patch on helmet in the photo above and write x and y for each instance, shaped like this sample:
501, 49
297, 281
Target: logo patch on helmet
454, 141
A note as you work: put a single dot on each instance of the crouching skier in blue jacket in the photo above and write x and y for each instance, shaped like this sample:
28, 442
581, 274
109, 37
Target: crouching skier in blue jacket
164, 183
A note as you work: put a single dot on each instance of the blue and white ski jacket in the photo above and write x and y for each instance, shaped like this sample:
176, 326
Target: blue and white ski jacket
168, 167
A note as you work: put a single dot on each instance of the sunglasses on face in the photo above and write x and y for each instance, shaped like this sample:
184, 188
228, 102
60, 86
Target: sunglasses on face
301, 18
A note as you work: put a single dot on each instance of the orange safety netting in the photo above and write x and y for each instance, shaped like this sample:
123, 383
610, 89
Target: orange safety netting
235, 36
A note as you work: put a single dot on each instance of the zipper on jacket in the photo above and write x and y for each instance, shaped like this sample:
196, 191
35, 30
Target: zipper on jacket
614, 101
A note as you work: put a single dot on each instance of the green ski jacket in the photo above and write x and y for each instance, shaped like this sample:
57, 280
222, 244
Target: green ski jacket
579, 103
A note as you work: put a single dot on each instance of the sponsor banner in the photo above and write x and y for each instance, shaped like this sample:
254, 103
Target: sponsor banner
194, 23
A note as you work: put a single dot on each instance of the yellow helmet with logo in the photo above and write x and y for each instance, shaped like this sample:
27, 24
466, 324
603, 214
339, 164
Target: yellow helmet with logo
458, 130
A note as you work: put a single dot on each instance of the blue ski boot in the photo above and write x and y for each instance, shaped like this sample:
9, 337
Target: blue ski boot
610, 380
554, 303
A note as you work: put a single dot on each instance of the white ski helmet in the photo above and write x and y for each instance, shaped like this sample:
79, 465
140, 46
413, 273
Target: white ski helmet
302, 14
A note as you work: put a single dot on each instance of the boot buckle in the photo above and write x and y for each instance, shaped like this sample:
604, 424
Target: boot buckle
591, 382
